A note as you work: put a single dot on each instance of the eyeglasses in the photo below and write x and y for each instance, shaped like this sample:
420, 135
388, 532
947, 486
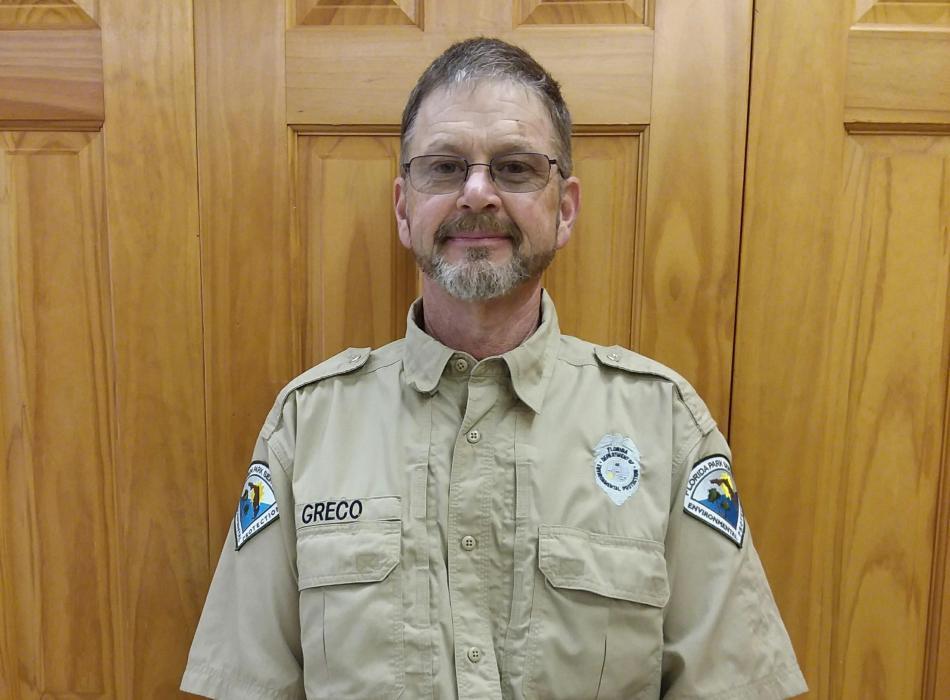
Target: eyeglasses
513, 172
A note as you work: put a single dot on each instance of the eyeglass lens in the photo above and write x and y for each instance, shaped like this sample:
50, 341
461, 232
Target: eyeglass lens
515, 172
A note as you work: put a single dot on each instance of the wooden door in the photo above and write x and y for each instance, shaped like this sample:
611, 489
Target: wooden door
194, 207
840, 409
104, 528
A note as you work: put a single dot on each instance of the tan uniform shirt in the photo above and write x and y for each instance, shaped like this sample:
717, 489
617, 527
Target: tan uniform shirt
512, 528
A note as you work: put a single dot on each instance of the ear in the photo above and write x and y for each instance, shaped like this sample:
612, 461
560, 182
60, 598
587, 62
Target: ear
400, 206
568, 208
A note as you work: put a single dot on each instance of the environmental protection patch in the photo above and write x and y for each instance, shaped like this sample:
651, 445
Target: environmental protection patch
712, 497
257, 507
617, 467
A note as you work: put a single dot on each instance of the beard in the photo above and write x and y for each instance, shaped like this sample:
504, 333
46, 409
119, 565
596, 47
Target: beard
476, 277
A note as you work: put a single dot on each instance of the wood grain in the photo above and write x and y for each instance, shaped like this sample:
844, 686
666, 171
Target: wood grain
894, 216
580, 12
244, 179
788, 399
51, 76
840, 386
46, 14
56, 416
340, 77
694, 193
902, 12
160, 533
898, 76
593, 279
359, 279
358, 13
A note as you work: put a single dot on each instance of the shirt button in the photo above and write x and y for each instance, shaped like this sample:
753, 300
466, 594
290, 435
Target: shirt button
468, 543
354, 358
473, 436
613, 357
474, 655
461, 364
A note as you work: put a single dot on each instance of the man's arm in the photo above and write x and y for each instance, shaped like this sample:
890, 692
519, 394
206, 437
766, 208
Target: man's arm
724, 638
247, 645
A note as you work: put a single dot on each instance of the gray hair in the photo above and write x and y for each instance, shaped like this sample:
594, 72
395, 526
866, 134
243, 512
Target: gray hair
484, 58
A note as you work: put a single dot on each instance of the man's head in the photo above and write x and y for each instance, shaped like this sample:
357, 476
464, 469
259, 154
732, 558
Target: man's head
485, 59
480, 234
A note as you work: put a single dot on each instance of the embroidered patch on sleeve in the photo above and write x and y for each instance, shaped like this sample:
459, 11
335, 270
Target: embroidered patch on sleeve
712, 497
257, 507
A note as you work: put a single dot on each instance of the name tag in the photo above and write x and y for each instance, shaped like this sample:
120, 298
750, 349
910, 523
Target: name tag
348, 510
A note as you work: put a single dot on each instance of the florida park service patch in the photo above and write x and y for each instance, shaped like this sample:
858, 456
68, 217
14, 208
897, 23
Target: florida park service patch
257, 507
712, 497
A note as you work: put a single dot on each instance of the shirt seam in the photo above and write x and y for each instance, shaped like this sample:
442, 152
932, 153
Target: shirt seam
777, 680
224, 678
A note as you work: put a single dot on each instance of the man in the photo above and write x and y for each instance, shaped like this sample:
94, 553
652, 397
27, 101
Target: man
487, 508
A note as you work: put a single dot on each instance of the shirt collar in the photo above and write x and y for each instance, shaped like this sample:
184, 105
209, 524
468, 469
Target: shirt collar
531, 364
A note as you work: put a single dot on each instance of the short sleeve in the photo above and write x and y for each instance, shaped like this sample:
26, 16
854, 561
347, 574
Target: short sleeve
724, 638
247, 644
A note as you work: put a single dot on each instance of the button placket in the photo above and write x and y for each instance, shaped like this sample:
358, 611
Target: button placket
469, 513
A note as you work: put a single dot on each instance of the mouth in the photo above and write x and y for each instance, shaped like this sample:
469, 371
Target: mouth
479, 237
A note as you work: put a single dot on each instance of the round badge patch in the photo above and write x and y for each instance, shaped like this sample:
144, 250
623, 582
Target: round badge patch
617, 467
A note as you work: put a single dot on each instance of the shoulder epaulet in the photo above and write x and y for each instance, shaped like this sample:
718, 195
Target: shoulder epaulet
627, 360
345, 362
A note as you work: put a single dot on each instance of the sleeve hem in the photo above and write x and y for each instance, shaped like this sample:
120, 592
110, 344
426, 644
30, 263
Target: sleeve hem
784, 683
224, 684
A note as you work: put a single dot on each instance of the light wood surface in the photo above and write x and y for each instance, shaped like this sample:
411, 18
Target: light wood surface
694, 192
47, 14
898, 76
51, 76
251, 340
335, 77
839, 405
56, 414
580, 12
159, 571
912, 12
358, 279
601, 262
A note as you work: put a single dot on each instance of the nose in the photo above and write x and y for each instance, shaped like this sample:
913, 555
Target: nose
478, 191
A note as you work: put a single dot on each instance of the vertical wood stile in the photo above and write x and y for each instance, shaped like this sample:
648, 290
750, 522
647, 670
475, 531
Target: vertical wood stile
244, 185
161, 574
694, 192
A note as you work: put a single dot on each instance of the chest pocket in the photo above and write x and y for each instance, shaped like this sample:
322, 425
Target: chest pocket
351, 612
596, 626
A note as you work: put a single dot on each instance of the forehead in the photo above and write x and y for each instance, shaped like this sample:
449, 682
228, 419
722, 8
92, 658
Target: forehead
482, 116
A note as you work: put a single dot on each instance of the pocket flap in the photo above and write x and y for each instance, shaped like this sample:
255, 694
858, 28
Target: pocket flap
349, 553
609, 565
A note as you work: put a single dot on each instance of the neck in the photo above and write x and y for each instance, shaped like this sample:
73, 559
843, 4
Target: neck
481, 328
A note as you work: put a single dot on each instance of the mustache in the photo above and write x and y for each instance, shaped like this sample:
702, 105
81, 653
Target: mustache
481, 221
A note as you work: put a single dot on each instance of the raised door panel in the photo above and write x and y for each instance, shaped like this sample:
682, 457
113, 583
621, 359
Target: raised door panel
57, 538
841, 390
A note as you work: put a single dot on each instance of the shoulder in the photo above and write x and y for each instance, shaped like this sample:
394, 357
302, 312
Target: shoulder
615, 358
352, 362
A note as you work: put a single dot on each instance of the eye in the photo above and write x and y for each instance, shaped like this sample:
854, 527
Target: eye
445, 167
515, 167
